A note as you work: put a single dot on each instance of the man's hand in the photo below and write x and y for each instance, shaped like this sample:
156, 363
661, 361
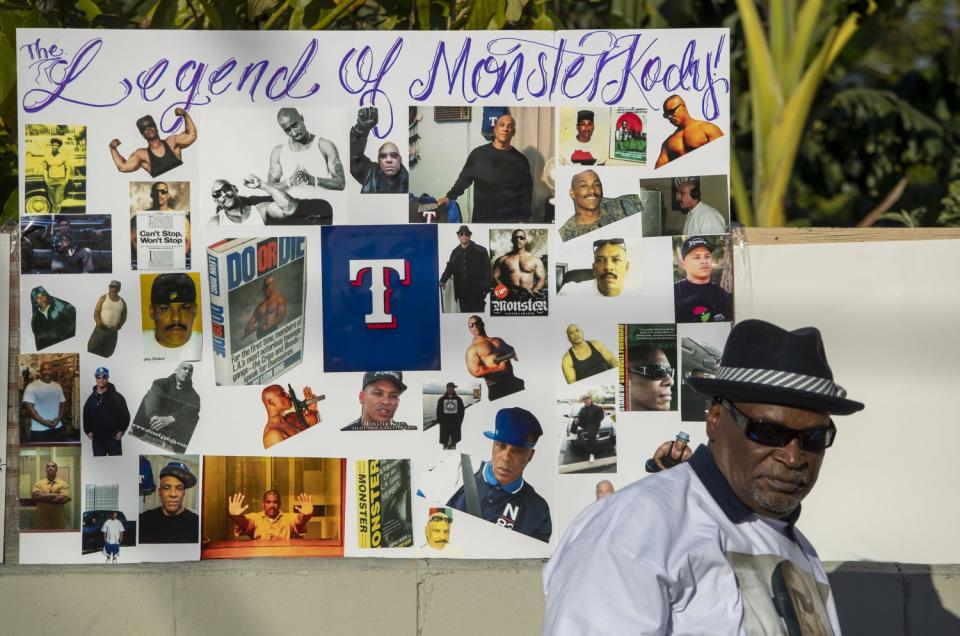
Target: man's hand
114, 144
158, 422
312, 408
90, 435
235, 507
367, 118
443, 285
443, 201
305, 501
252, 181
301, 176
116, 437
179, 112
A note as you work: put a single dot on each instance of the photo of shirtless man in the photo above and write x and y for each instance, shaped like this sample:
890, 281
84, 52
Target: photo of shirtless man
519, 271
284, 419
690, 133
491, 359
270, 313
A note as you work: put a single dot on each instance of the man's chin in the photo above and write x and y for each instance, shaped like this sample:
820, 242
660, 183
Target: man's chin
174, 342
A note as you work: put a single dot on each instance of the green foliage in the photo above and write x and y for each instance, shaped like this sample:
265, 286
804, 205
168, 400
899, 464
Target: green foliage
878, 141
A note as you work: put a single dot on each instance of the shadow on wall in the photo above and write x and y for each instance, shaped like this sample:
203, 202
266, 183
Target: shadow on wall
892, 598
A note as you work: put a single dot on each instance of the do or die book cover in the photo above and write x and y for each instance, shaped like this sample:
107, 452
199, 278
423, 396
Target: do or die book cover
519, 262
384, 518
628, 134
257, 295
648, 367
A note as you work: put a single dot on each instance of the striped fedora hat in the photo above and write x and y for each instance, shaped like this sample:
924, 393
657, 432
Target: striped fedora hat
766, 364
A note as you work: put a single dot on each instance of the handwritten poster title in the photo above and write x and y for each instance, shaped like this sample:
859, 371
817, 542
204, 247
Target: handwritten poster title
596, 66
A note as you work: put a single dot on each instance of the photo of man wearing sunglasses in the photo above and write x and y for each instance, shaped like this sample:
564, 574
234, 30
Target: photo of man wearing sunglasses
651, 379
385, 175
724, 516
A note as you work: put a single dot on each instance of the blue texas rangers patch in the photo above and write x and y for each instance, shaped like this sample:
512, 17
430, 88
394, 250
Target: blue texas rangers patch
381, 304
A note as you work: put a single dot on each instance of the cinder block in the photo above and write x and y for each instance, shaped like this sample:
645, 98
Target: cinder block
487, 597
869, 597
81, 600
314, 596
933, 598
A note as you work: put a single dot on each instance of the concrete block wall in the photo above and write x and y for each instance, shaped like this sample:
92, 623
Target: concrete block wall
368, 596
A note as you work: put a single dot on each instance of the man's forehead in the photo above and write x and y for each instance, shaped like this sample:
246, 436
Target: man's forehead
170, 480
587, 176
386, 386
506, 119
389, 147
611, 249
700, 250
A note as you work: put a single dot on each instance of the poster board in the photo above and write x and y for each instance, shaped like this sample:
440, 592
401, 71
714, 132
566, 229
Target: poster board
4, 374
891, 342
368, 292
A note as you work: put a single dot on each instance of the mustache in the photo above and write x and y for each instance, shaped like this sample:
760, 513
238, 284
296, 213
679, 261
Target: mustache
175, 325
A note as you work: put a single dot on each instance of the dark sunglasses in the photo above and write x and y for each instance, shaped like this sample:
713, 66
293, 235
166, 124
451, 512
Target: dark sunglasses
159, 191
389, 155
778, 435
474, 324
654, 371
612, 241
216, 194
669, 113
102, 377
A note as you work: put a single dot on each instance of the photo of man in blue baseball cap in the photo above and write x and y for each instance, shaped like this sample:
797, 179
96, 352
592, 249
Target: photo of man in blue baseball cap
498, 492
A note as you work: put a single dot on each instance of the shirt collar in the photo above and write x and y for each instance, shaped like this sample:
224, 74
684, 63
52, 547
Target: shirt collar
708, 472
491, 480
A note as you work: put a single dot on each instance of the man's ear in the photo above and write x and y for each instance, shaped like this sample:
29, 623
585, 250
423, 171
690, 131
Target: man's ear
713, 420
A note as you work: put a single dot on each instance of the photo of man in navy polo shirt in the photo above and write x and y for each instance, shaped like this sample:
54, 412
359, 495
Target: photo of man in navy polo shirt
500, 494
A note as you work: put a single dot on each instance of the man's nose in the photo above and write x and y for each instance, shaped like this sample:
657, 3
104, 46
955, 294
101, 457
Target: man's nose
792, 455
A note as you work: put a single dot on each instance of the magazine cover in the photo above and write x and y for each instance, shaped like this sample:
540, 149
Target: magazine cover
628, 139
518, 260
648, 367
257, 295
159, 225
384, 519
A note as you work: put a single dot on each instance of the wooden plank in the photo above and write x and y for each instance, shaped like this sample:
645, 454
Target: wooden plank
795, 235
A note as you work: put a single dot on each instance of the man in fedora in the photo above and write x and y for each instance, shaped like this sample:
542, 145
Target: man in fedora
500, 494
694, 549
469, 267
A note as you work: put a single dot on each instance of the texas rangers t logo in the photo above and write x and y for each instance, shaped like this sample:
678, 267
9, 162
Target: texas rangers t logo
380, 289
381, 309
